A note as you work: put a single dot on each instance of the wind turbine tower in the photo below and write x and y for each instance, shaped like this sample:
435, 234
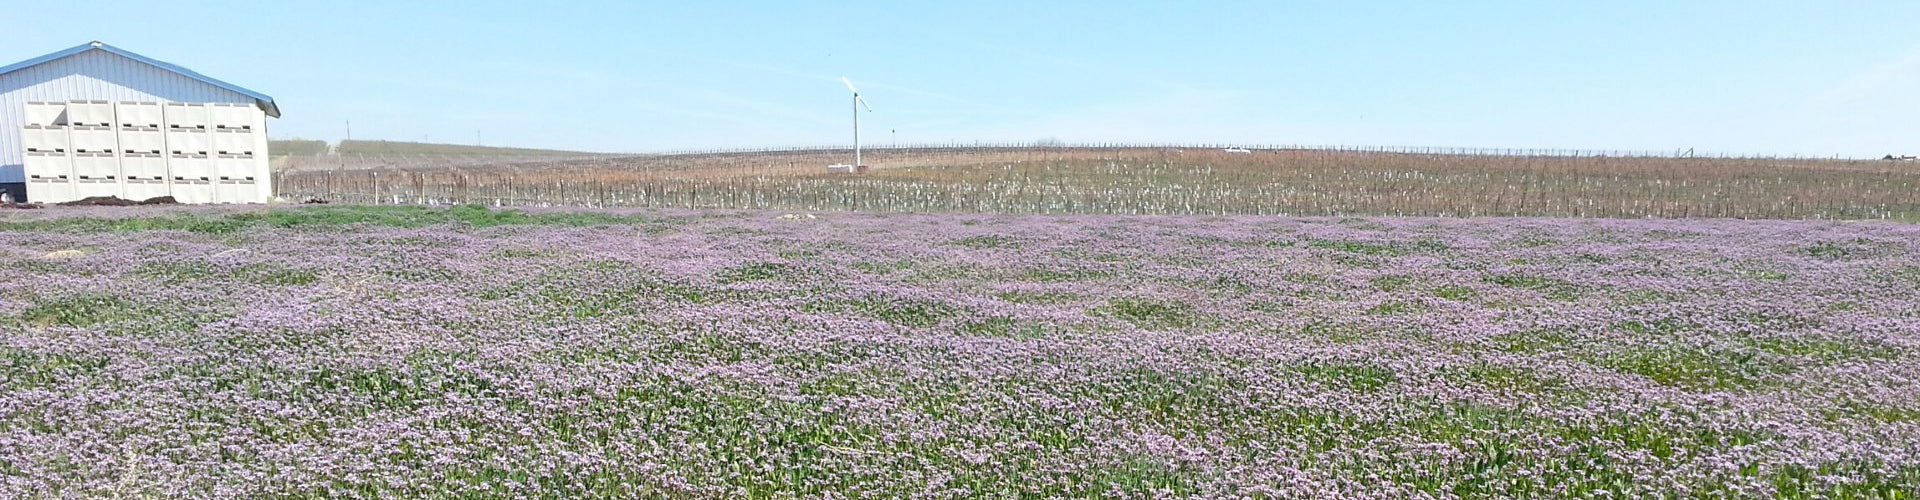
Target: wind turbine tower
857, 104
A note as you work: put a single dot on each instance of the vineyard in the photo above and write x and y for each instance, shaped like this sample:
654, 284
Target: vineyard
1145, 180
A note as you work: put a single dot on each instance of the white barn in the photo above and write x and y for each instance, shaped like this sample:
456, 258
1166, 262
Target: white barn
176, 153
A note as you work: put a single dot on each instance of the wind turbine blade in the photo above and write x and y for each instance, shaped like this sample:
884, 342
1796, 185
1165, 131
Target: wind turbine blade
849, 84
863, 102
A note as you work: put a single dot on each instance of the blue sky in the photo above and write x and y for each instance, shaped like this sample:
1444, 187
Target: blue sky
1771, 77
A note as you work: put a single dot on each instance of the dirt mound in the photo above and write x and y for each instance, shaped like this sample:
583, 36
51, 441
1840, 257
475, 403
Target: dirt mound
115, 201
99, 201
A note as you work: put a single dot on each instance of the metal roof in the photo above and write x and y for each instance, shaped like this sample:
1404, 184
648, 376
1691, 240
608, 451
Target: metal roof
265, 102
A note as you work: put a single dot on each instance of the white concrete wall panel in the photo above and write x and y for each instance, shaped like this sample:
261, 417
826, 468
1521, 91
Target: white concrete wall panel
142, 140
46, 113
194, 191
143, 166
186, 115
55, 191
45, 138
187, 141
95, 166
232, 167
42, 165
233, 116
233, 141
189, 168
138, 114
86, 188
91, 139
142, 189
95, 113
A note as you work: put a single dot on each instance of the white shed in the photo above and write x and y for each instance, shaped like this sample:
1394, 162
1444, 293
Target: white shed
97, 120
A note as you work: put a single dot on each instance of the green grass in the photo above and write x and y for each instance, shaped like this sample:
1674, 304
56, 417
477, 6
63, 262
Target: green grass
1673, 234
1393, 308
394, 388
1336, 331
1693, 367
1455, 292
1142, 473
1854, 249
424, 272
1661, 327
1385, 249
179, 272
906, 311
885, 267
620, 290
984, 242
1644, 296
1063, 274
1876, 411
176, 222
1514, 378
21, 368
1908, 274
53, 267
1355, 376
83, 311
526, 253
1534, 341
119, 313
1306, 279
1826, 350
1004, 327
1532, 242
1149, 313
1555, 288
755, 271
1022, 297
1391, 283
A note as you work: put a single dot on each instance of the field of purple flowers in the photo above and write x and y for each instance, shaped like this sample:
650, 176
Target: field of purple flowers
405, 352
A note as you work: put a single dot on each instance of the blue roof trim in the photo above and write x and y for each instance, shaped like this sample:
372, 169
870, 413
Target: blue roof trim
265, 102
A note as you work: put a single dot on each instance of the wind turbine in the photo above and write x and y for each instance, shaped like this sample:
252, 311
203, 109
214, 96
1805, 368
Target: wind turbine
857, 104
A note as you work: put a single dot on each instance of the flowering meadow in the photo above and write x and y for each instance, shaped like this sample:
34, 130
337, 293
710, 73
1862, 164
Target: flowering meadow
409, 352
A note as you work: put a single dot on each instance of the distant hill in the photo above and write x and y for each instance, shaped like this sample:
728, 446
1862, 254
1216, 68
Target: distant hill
300, 147
411, 148
310, 147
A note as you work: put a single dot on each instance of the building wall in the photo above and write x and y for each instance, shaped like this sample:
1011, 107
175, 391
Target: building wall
90, 75
194, 152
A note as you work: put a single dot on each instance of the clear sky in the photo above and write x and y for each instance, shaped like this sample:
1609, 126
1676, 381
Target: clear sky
1751, 76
